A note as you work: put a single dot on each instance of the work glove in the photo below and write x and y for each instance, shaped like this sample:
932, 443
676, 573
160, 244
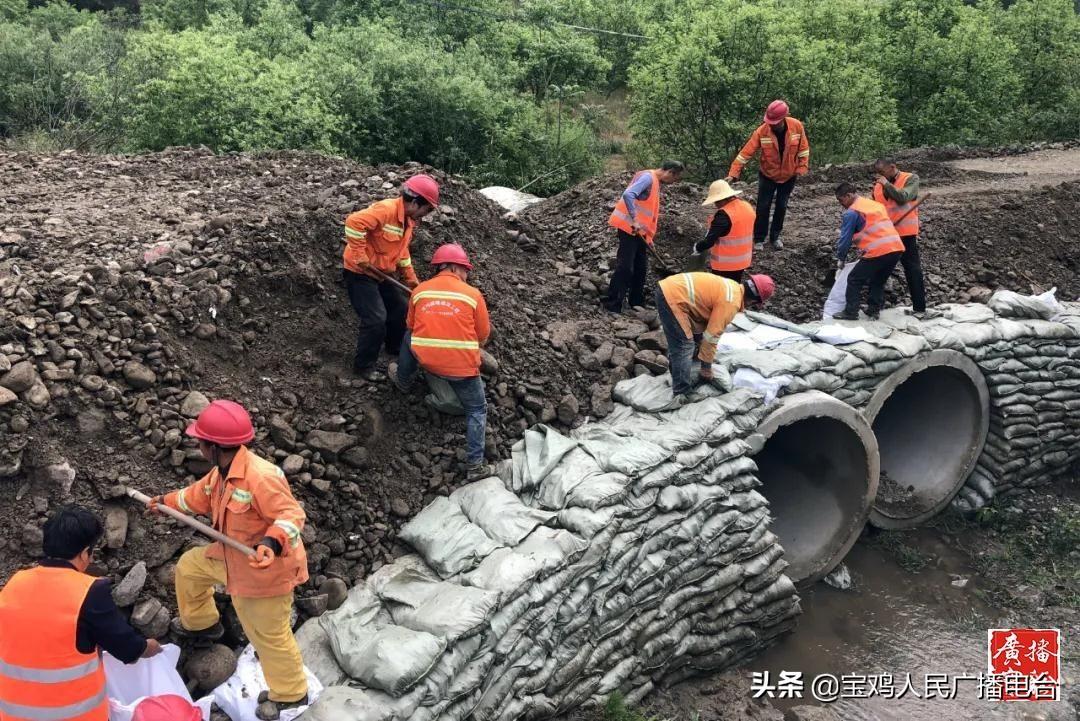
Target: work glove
154, 506
264, 556
840, 265
412, 283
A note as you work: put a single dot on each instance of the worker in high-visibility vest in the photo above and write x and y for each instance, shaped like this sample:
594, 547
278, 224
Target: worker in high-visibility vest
730, 239
866, 225
248, 499
55, 620
785, 155
635, 219
898, 190
447, 326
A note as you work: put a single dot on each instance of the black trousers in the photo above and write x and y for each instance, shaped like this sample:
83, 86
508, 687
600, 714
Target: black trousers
874, 272
631, 266
381, 308
768, 189
735, 275
913, 272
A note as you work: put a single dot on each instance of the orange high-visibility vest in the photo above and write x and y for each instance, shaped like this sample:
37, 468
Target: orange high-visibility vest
734, 250
878, 236
779, 169
646, 211
380, 235
449, 322
910, 224
43, 676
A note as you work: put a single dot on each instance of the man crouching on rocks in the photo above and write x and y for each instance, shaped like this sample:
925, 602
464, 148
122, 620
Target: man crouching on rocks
246, 498
692, 305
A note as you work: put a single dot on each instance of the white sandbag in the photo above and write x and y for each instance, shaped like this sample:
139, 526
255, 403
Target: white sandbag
837, 299
500, 513
128, 684
1008, 304
446, 538
344, 702
239, 696
770, 387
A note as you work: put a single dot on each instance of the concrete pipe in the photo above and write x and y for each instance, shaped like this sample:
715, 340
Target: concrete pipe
930, 418
818, 465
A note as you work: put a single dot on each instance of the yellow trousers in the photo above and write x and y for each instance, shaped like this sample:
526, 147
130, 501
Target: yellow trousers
265, 621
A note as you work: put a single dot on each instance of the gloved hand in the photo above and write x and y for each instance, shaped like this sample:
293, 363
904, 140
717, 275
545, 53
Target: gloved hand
694, 252
154, 505
411, 284
263, 557
638, 228
840, 265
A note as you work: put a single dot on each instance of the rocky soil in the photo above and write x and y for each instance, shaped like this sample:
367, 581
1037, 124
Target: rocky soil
135, 289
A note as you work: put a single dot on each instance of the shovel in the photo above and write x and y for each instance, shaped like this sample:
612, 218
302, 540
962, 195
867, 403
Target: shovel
383, 276
830, 276
193, 523
664, 270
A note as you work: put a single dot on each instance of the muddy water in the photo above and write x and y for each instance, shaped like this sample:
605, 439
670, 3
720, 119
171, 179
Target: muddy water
897, 622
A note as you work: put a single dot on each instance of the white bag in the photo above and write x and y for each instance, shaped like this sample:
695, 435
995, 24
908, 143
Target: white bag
836, 301
128, 684
239, 696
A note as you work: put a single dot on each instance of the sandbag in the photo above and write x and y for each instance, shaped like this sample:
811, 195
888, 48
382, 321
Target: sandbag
446, 538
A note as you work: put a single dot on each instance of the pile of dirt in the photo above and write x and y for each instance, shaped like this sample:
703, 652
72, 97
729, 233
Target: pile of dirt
981, 230
134, 289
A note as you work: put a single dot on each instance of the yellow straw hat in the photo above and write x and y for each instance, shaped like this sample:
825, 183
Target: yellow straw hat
720, 190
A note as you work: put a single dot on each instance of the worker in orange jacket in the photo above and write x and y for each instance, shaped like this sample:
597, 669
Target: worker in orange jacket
248, 499
730, 239
376, 249
694, 306
785, 154
635, 219
898, 191
55, 620
866, 224
448, 324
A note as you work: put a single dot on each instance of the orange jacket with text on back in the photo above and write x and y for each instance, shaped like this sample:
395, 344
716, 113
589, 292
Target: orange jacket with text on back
449, 322
910, 224
42, 673
796, 160
379, 235
703, 303
253, 501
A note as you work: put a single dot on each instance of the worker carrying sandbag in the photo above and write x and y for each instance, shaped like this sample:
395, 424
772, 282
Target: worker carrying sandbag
55, 620
730, 240
448, 324
701, 305
635, 219
376, 250
785, 155
248, 499
898, 191
866, 224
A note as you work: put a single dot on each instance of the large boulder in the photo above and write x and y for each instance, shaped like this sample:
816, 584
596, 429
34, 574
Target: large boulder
330, 443
20, 378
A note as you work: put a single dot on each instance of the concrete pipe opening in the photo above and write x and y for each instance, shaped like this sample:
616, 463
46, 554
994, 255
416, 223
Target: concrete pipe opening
818, 467
930, 418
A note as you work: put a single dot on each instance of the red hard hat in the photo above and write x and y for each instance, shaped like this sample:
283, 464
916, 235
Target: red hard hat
451, 253
776, 112
764, 286
424, 186
225, 423
166, 708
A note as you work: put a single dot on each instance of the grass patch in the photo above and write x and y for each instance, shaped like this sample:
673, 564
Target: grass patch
907, 556
616, 709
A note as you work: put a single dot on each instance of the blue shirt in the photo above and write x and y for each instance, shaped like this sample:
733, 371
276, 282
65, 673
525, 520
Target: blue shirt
638, 190
851, 222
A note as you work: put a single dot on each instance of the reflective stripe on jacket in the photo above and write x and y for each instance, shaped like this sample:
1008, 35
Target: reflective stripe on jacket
878, 236
910, 224
703, 303
646, 210
252, 502
43, 677
380, 235
796, 160
735, 250
449, 322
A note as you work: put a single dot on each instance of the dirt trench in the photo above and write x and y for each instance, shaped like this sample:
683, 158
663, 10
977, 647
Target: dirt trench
132, 288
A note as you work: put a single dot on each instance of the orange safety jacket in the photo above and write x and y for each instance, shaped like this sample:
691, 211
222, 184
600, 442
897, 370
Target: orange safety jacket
703, 303
910, 224
796, 160
43, 676
646, 211
878, 236
379, 235
734, 250
253, 501
449, 322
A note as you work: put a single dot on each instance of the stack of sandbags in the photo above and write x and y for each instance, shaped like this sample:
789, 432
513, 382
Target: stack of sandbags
631, 554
